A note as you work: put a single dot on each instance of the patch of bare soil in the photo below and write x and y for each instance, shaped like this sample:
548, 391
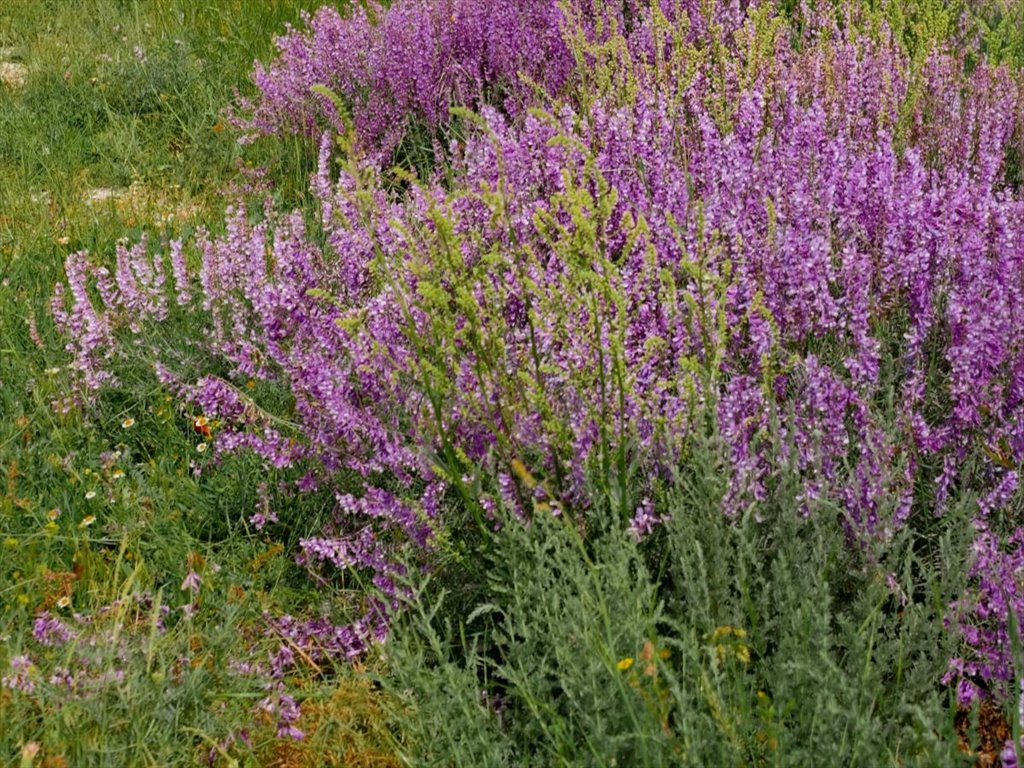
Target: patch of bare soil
990, 737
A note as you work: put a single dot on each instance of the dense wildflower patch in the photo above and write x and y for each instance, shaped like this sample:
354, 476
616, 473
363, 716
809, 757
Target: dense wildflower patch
658, 222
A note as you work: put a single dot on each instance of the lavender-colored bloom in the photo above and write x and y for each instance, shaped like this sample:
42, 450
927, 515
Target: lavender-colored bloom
48, 630
281, 661
285, 708
191, 582
260, 520
20, 676
288, 713
644, 521
180, 272
419, 59
63, 678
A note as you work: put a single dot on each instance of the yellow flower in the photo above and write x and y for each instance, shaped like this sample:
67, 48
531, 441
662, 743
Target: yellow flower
624, 664
736, 648
523, 474
117, 474
64, 602
87, 521
726, 631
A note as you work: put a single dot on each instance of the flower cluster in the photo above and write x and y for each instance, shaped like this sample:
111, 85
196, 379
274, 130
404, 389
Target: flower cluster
407, 67
402, 68
93, 650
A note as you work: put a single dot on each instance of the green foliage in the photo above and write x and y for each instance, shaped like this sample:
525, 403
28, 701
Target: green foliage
918, 25
766, 640
530, 676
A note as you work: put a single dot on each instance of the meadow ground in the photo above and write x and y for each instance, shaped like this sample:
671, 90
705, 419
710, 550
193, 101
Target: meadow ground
111, 126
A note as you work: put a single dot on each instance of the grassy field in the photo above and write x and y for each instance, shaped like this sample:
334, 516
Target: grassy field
111, 127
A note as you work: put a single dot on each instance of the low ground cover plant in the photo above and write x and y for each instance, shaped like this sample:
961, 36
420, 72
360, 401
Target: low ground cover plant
668, 349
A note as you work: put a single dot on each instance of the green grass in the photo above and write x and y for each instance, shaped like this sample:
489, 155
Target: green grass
129, 97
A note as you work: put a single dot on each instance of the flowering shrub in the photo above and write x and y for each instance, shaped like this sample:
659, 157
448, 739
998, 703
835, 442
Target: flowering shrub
408, 67
401, 69
818, 246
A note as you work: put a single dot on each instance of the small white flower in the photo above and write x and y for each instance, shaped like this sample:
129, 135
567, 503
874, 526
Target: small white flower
12, 74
